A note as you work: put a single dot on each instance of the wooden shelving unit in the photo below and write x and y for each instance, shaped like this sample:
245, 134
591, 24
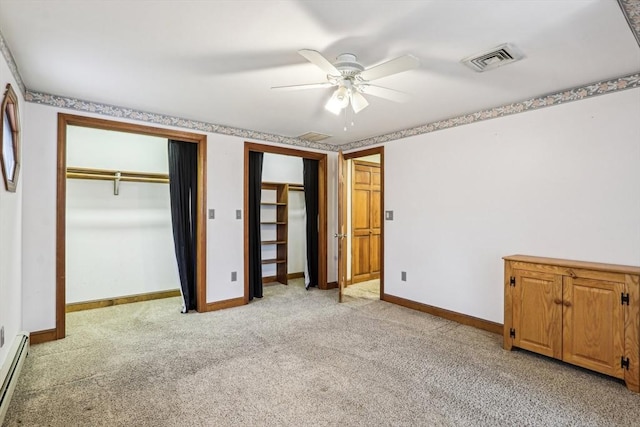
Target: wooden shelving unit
274, 227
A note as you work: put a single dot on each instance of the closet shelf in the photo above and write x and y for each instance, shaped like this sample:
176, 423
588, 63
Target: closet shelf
274, 261
276, 221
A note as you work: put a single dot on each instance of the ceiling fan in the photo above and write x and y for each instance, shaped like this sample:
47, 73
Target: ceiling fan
353, 80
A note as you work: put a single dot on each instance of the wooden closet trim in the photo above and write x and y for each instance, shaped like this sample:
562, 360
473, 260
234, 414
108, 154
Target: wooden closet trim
322, 206
65, 120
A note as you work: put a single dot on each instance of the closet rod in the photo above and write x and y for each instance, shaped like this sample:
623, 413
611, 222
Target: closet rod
108, 175
116, 176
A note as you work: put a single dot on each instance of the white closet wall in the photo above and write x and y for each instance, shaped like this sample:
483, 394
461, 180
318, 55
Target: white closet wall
287, 169
117, 245
297, 228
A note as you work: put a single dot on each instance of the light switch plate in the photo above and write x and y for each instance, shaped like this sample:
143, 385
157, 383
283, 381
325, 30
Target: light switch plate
403, 276
234, 276
388, 215
238, 214
212, 213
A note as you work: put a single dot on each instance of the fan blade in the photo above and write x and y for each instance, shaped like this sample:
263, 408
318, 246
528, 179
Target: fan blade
384, 92
319, 61
304, 86
358, 102
394, 66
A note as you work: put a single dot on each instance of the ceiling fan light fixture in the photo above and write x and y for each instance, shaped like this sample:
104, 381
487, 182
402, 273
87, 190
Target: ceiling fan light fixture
334, 105
358, 102
342, 95
338, 101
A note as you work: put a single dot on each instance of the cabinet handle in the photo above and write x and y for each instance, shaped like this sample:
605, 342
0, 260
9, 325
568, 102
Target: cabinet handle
566, 303
557, 301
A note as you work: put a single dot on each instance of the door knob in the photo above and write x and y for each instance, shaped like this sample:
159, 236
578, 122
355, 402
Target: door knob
557, 301
566, 303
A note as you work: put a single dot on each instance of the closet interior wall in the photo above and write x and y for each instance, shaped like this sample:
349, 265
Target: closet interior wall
282, 169
119, 239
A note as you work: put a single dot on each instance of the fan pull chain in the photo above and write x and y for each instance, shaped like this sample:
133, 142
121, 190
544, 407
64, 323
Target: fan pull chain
346, 119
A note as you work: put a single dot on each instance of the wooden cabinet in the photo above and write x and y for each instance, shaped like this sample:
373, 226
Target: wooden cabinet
583, 313
274, 230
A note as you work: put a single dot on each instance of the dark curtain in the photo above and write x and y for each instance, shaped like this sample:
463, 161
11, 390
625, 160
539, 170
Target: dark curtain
311, 203
183, 182
255, 248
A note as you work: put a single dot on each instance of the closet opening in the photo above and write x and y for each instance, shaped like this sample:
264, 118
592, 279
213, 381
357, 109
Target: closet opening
114, 239
283, 188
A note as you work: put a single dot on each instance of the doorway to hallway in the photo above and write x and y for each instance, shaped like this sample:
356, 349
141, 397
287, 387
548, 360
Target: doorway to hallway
361, 223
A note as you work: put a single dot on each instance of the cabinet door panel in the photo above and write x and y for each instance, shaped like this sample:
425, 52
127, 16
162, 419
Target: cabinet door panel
537, 312
593, 325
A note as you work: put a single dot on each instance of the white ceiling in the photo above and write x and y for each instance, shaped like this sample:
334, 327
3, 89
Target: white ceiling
215, 61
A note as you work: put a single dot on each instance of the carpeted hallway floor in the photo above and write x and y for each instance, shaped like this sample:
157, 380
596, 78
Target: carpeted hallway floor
297, 358
367, 290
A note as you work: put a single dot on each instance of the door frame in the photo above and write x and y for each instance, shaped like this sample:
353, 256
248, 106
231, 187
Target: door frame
322, 206
355, 155
65, 120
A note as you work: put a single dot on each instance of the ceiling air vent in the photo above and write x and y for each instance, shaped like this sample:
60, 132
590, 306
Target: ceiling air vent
496, 57
313, 136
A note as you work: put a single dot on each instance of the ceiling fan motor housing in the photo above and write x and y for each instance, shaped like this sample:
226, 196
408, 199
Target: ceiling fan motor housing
347, 64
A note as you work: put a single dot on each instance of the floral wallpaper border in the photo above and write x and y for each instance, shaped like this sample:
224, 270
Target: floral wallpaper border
161, 119
576, 94
631, 11
629, 8
11, 63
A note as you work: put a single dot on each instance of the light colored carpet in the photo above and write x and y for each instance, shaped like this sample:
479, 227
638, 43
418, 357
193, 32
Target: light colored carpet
298, 358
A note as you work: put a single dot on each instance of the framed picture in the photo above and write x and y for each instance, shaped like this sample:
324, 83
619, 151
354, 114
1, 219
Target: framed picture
10, 140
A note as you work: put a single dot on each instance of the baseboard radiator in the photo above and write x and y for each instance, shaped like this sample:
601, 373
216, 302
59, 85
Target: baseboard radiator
11, 371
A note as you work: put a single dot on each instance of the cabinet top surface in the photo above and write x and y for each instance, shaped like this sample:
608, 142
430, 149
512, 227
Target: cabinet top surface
626, 269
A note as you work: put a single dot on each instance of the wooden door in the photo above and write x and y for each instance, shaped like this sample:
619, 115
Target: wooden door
537, 312
365, 221
342, 226
593, 325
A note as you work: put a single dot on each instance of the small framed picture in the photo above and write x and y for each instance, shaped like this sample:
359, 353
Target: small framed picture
10, 140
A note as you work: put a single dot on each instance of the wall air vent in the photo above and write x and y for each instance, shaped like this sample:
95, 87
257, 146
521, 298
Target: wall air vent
313, 136
496, 57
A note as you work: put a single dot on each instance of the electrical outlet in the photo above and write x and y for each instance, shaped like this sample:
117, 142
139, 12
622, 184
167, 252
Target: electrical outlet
238, 214
212, 213
234, 276
403, 276
1, 336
